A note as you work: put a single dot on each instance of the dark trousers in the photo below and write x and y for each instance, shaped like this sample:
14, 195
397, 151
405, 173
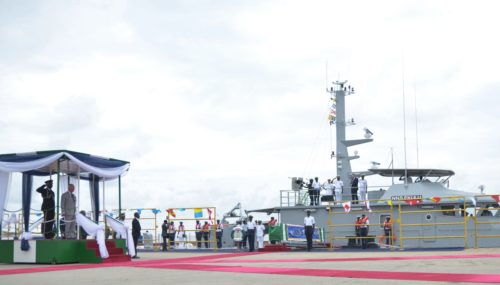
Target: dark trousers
388, 237
198, 239
136, 241
358, 235
164, 244
355, 197
316, 197
244, 239
171, 237
364, 234
311, 197
251, 239
205, 237
218, 236
309, 231
48, 224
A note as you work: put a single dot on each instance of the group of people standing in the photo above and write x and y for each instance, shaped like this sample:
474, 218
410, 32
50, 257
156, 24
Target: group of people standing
334, 189
68, 211
169, 232
248, 231
362, 226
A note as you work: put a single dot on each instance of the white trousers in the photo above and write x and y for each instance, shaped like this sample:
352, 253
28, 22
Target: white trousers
260, 241
338, 196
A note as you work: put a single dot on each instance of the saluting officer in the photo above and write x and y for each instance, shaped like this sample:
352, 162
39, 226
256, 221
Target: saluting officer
48, 208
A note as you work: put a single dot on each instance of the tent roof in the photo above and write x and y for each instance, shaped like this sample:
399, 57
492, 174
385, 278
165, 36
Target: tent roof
65, 165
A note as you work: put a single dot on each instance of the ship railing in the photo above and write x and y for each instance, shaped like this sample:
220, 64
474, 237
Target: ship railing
292, 198
399, 209
355, 210
483, 216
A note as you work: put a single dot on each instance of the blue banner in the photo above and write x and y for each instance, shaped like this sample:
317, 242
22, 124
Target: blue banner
296, 233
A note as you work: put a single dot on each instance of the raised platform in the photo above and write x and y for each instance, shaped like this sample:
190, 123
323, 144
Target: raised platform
61, 251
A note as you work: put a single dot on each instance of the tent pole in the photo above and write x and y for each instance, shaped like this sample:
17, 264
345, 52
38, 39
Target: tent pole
57, 195
104, 205
119, 196
78, 205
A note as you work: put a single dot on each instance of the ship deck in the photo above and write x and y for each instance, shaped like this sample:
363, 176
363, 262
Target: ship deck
471, 266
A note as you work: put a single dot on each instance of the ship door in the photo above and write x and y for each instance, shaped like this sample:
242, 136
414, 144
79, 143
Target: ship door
428, 229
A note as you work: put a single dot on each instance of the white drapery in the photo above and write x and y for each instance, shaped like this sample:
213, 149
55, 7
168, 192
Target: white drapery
29, 165
39, 163
95, 230
122, 231
4, 189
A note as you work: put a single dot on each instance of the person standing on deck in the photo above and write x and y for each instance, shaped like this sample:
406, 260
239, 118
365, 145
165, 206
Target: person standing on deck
339, 185
316, 190
357, 230
363, 188
365, 224
388, 231
310, 191
354, 189
309, 224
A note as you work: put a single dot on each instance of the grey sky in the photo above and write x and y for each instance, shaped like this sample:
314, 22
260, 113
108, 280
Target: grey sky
216, 102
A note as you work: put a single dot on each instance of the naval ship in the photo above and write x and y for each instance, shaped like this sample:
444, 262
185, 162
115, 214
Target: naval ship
424, 211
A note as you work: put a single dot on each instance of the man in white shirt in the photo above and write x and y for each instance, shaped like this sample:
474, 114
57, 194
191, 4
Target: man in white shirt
251, 234
339, 185
309, 224
328, 193
316, 188
363, 188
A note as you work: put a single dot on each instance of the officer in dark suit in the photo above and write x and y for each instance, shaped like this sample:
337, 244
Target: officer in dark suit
48, 208
136, 231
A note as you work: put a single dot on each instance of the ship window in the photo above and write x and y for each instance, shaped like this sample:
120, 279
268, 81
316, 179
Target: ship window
448, 210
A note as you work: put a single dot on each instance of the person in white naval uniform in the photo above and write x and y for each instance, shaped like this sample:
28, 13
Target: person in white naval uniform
309, 224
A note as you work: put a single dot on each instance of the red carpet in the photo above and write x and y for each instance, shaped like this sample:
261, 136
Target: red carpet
191, 264
354, 259
407, 276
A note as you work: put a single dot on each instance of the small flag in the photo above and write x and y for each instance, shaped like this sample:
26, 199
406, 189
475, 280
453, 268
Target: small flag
413, 202
198, 213
389, 202
435, 199
155, 211
209, 213
182, 210
171, 213
347, 206
139, 211
496, 198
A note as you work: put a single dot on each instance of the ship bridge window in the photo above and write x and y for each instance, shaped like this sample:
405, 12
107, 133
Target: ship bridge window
448, 210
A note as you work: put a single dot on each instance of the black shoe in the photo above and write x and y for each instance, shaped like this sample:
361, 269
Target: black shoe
135, 257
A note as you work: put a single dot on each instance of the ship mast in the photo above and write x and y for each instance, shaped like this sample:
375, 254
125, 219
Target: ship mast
338, 93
